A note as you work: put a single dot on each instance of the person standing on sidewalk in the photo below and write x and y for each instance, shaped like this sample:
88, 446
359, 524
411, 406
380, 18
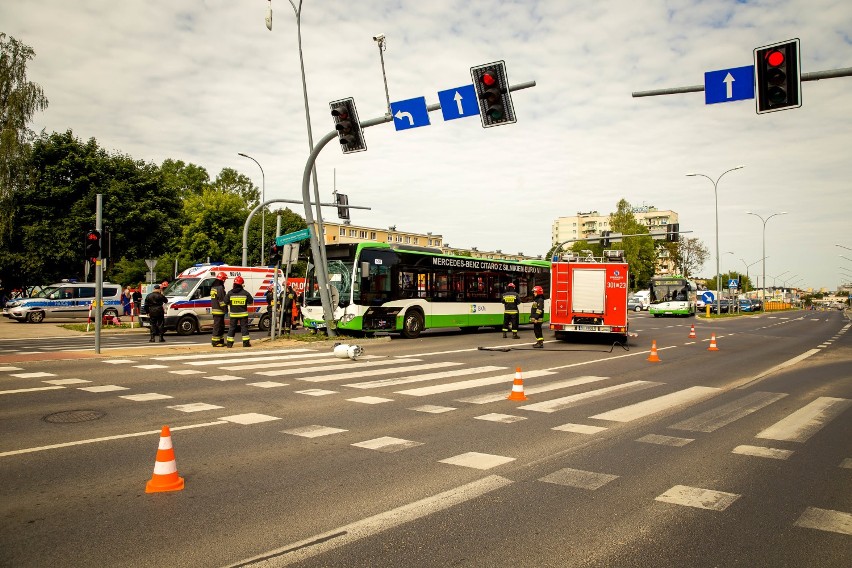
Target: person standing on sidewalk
287, 309
218, 309
511, 302
155, 306
238, 301
537, 316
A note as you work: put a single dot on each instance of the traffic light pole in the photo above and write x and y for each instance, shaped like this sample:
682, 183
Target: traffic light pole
812, 76
99, 276
316, 235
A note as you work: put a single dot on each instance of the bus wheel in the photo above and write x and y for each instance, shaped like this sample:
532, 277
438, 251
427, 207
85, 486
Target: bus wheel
412, 324
187, 325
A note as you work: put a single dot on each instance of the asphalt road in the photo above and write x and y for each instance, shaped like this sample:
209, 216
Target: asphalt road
412, 456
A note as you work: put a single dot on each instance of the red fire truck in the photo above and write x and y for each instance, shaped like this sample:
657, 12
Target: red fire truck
589, 294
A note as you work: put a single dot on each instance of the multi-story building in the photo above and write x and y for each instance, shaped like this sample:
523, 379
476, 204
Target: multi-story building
347, 233
590, 224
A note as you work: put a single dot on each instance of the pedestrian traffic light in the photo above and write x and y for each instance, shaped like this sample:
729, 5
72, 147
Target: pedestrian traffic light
672, 230
778, 77
342, 201
347, 125
93, 244
274, 253
492, 91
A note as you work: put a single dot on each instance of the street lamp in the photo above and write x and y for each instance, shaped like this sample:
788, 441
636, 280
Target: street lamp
764, 244
749, 266
843, 247
716, 196
262, 211
846, 257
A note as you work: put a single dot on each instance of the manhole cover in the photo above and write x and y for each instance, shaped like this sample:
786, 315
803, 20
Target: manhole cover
71, 416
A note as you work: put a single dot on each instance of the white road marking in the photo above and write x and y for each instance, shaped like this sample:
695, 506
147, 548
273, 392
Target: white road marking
218, 355
337, 367
847, 463
267, 384
715, 418
659, 404
67, 381
370, 399
578, 478
826, 520
34, 389
761, 452
151, 366
103, 388
504, 418
698, 497
353, 532
10, 369
225, 378
195, 407
432, 409
32, 375
187, 372
580, 428
807, 421
388, 444
316, 392
473, 383
424, 377
144, 397
249, 418
665, 440
497, 396
556, 404
477, 460
293, 362
313, 431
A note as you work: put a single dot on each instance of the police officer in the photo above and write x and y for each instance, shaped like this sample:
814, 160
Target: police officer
218, 309
154, 305
238, 301
511, 300
537, 316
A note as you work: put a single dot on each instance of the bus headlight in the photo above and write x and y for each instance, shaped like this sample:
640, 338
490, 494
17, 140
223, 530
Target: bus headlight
347, 318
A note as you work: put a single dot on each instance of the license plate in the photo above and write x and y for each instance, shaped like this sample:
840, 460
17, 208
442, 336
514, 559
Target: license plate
587, 328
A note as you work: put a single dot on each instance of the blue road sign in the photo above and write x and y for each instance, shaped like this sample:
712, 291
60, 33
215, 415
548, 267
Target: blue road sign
410, 113
728, 85
293, 237
733, 283
708, 297
459, 102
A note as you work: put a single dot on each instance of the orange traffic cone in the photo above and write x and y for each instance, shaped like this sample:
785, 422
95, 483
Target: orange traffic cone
653, 357
517, 387
165, 476
692, 332
712, 343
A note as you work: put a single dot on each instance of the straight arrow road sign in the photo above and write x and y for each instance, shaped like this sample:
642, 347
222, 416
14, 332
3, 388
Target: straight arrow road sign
728, 85
459, 102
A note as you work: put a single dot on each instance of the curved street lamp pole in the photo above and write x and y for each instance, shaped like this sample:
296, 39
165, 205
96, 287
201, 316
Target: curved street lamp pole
764, 244
263, 213
716, 196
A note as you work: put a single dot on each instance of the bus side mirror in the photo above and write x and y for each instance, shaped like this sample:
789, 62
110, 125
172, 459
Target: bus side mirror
365, 269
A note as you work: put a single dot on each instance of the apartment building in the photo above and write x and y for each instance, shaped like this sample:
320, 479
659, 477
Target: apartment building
588, 224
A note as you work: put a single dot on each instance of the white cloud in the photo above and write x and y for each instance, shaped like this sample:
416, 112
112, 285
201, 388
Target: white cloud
202, 81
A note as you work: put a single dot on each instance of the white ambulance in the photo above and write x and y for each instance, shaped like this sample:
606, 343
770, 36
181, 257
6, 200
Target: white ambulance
188, 310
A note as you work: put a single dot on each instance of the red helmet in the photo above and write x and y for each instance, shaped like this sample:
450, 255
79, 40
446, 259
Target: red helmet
222, 276
510, 285
165, 283
538, 290
239, 280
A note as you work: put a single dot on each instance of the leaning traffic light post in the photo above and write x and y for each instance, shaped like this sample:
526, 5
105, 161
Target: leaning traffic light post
777, 77
349, 130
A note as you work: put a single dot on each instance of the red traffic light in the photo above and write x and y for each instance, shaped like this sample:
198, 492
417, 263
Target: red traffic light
774, 58
488, 78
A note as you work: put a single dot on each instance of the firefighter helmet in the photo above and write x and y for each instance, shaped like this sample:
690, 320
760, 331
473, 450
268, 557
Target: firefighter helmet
538, 290
510, 285
222, 276
239, 280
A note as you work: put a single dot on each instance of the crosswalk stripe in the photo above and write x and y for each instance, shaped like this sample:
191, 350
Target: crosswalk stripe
225, 360
373, 372
496, 396
807, 421
654, 405
422, 378
333, 367
473, 383
219, 355
571, 400
826, 520
293, 362
715, 418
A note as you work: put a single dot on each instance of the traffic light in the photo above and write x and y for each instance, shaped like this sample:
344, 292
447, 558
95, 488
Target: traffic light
342, 200
778, 77
492, 90
274, 253
672, 230
348, 127
93, 244
605, 242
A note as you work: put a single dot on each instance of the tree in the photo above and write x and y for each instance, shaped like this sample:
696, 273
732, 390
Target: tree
209, 232
184, 179
19, 100
689, 255
639, 252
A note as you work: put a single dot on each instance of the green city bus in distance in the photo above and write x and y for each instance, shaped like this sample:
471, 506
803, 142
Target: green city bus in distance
673, 296
383, 287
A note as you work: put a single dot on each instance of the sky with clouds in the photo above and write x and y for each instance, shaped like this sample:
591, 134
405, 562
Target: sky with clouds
202, 80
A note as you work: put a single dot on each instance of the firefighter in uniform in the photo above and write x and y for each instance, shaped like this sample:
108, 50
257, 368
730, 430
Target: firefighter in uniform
287, 309
218, 309
537, 316
238, 301
510, 310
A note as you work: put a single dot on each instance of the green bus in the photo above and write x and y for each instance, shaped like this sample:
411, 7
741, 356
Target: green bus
673, 296
383, 287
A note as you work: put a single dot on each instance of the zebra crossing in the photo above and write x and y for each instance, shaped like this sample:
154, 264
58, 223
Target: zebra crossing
313, 373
